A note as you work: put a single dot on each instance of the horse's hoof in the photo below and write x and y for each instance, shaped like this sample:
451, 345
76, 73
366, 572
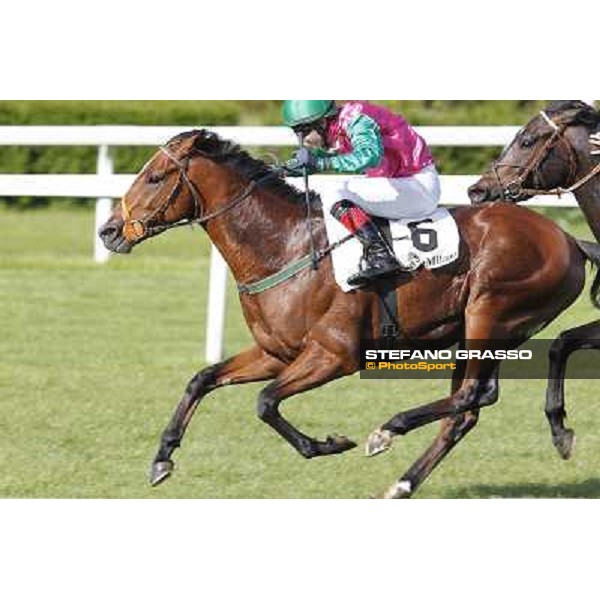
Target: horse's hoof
160, 471
379, 441
400, 490
565, 444
336, 444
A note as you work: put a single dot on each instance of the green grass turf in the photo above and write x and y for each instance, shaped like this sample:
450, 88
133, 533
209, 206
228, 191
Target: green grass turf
94, 360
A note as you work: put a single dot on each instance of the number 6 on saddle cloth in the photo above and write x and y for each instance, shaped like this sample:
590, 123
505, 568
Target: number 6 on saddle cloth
423, 238
432, 242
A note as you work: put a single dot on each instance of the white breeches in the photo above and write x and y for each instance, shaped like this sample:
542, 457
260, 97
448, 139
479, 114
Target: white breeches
405, 197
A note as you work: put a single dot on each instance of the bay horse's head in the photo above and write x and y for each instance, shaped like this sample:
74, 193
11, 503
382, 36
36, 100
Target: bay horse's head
182, 183
545, 155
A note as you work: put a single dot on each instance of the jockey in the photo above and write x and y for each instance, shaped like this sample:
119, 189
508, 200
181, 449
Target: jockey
359, 137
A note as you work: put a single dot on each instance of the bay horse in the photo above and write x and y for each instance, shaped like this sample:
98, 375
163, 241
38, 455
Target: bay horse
517, 271
553, 155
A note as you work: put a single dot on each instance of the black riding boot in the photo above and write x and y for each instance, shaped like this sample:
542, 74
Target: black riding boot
378, 259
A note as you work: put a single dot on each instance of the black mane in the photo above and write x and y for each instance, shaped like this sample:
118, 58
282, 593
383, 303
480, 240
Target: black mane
579, 112
228, 153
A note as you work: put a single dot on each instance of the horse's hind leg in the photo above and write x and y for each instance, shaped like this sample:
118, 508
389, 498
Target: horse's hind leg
584, 337
251, 365
478, 389
452, 431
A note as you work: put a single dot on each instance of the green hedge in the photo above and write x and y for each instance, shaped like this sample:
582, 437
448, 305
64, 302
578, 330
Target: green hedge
227, 112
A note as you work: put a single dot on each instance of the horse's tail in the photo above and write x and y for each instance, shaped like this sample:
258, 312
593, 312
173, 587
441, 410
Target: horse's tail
592, 252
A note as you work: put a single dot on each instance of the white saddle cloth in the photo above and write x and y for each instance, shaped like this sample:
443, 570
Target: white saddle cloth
431, 242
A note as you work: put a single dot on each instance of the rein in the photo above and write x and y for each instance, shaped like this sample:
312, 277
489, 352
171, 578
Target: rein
143, 228
514, 189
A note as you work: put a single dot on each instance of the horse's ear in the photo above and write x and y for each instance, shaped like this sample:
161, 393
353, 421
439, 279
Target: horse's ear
588, 116
576, 112
207, 143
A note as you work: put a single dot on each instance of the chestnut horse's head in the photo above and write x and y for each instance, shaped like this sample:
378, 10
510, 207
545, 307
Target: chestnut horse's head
543, 156
166, 194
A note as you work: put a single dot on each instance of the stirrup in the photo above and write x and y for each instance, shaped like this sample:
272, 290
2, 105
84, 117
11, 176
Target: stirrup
366, 275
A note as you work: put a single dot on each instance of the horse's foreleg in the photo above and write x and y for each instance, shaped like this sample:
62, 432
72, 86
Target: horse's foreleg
584, 337
313, 368
252, 365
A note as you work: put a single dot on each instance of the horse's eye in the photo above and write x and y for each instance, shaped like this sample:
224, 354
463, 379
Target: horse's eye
527, 141
155, 177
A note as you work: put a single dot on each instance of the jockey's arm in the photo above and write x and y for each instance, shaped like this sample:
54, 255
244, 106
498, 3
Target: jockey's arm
367, 149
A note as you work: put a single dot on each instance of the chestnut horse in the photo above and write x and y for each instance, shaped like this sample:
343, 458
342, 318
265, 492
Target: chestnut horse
552, 154
516, 272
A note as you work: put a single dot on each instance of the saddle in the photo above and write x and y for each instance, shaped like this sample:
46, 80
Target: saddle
431, 242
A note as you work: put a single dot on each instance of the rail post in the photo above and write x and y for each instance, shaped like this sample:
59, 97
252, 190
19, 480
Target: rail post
217, 300
104, 166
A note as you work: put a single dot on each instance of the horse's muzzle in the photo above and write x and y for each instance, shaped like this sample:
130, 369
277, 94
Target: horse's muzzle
111, 234
478, 194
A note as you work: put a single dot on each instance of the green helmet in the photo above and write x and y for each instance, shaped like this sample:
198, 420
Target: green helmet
301, 112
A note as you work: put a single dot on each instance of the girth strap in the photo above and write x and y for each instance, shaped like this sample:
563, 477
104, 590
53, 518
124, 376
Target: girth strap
389, 321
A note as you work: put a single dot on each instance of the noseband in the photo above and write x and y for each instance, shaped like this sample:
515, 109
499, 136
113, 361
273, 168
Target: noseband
154, 224
514, 189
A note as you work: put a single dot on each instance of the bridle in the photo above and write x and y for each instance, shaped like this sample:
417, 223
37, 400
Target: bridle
514, 189
153, 223
144, 228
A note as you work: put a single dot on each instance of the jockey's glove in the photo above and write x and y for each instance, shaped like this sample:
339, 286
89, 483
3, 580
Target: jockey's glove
303, 158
